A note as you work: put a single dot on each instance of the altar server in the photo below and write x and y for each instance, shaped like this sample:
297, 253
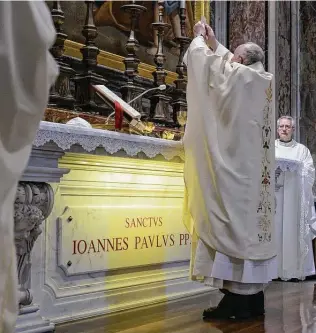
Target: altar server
27, 70
294, 235
229, 173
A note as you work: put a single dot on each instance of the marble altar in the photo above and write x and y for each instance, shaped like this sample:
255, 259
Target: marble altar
110, 208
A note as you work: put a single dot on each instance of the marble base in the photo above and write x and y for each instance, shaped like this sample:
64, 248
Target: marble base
109, 181
30, 321
100, 198
43, 166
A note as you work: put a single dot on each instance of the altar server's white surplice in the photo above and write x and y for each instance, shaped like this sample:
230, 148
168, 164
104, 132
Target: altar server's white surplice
27, 71
295, 212
229, 168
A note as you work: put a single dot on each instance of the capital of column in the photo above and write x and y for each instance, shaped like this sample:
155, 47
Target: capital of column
33, 204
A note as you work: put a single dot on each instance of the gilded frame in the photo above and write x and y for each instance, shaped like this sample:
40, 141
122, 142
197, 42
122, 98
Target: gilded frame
202, 8
111, 60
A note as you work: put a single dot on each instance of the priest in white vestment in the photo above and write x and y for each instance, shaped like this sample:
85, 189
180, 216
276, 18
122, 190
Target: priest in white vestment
295, 205
27, 71
229, 173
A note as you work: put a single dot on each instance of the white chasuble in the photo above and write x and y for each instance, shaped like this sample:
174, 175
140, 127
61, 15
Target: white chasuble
295, 211
229, 159
27, 71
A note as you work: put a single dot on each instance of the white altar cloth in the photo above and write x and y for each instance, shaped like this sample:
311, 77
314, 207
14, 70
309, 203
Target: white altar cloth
66, 136
293, 218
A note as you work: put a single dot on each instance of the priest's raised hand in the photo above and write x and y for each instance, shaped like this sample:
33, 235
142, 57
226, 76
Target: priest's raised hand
199, 29
211, 38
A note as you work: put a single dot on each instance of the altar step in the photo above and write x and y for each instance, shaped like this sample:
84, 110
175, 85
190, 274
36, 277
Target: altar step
285, 302
132, 319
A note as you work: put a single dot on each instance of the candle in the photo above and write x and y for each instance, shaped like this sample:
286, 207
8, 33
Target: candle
182, 4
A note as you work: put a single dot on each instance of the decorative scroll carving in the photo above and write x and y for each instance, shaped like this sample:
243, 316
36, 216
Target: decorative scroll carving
159, 108
33, 204
85, 94
60, 94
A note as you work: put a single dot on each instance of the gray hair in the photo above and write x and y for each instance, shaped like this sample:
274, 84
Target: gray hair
252, 53
287, 118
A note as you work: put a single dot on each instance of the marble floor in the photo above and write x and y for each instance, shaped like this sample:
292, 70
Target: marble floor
290, 308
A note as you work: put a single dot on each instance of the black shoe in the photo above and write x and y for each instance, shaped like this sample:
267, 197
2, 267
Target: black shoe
295, 280
256, 303
232, 306
290, 280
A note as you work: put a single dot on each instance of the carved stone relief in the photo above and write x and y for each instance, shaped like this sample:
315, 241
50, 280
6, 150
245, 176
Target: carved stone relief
33, 204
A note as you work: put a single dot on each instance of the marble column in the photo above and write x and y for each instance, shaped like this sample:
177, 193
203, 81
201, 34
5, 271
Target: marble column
283, 71
307, 76
219, 20
247, 23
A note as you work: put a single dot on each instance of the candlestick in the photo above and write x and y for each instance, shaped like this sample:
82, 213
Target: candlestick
159, 106
131, 61
85, 96
60, 93
182, 4
179, 98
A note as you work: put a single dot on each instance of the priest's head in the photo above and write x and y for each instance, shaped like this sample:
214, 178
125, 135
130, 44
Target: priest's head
285, 128
248, 54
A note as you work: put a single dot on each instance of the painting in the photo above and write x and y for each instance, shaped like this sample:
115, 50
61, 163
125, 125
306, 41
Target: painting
113, 26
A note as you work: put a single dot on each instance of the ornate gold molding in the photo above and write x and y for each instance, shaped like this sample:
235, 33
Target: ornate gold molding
202, 8
115, 61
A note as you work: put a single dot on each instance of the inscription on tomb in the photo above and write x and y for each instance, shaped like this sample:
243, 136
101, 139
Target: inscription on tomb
102, 239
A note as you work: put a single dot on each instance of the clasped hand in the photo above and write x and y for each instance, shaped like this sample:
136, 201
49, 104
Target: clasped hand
203, 29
